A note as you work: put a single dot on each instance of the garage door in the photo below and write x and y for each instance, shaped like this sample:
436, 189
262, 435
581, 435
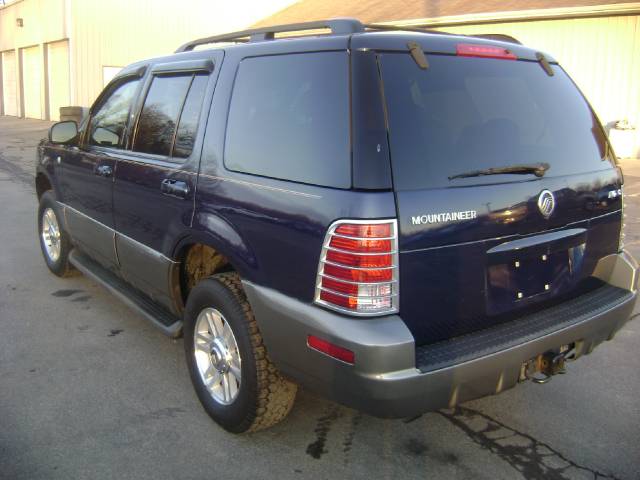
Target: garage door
58, 75
9, 85
31, 79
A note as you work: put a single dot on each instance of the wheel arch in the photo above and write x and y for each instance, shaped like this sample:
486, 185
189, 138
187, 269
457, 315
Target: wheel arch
219, 248
43, 183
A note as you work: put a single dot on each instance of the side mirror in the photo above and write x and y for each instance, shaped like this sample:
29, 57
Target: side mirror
63, 133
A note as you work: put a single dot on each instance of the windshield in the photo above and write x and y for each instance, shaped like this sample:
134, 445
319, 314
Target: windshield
467, 114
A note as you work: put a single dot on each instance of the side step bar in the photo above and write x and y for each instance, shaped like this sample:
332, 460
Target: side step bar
169, 324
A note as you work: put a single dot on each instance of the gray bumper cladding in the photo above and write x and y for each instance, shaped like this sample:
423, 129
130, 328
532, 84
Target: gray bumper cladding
391, 378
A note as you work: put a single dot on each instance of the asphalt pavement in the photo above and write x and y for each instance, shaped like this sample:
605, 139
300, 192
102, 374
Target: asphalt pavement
90, 390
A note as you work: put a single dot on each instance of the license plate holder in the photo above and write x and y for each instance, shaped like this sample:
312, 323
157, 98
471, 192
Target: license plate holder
525, 278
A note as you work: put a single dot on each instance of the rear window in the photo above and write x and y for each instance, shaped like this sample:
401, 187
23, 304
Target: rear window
464, 114
289, 119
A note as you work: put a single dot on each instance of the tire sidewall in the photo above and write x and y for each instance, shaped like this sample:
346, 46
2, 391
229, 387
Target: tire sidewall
59, 266
239, 415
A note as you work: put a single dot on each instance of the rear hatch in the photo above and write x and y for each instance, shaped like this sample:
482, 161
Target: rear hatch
479, 247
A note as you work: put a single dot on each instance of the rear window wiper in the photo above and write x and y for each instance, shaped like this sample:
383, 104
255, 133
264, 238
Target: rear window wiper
538, 169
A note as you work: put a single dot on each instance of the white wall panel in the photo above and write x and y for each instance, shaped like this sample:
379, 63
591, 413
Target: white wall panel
602, 55
58, 77
31, 82
119, 32
10, 83
43, 21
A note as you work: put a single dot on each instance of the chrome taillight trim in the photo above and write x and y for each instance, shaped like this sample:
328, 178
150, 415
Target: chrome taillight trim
345, 295
328, 262
395, 279
340, 235
359, 254
381, 282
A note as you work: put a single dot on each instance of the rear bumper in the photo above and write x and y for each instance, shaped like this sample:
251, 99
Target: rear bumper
391, 379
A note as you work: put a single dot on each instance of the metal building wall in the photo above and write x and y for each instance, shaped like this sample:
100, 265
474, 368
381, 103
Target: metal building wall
58, 77
602, 55
43, 20
119, 32
25, 26
110, 34
9, 83
31, 87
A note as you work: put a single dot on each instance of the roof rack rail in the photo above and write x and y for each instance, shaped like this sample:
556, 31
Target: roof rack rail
489, 36
497, 36
399, 28
336, 25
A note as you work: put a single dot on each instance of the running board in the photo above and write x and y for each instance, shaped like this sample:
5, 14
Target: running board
169, 324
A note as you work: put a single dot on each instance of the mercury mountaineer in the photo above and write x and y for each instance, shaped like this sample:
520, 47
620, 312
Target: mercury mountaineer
261, 197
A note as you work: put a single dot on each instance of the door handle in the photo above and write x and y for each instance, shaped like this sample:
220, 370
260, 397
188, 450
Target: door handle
103, 171
175, 188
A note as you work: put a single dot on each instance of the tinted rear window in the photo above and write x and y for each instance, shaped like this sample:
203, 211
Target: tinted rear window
465, 114
289, 119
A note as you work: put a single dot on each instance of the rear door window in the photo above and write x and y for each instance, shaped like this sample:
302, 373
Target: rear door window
465, 114
289, 119
188, 125
170, 115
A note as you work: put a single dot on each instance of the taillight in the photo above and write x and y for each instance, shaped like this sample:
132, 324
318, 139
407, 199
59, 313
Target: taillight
485, 51
358, 271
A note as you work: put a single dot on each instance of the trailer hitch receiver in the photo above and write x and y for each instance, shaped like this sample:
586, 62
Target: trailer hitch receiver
552, 362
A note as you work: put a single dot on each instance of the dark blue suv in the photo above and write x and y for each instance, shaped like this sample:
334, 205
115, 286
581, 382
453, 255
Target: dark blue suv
399, 220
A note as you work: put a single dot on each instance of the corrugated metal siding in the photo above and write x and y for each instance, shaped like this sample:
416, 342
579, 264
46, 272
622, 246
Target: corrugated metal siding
602, 55
119, 32
43, 21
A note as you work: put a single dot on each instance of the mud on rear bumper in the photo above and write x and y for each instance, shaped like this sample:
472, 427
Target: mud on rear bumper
393, 378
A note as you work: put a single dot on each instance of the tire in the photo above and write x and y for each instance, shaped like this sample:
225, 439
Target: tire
55, 243
261, 397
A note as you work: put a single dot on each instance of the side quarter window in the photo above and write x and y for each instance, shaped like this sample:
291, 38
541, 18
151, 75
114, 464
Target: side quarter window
108, 124
289, 119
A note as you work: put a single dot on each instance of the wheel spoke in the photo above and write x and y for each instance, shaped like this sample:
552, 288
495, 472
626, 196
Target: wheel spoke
204, 337
211, 377
210, 322
226, 385
52, 220
217, 320
227, 336
235, 371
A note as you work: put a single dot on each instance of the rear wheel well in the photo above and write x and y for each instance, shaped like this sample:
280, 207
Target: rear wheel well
42, 184
199, 261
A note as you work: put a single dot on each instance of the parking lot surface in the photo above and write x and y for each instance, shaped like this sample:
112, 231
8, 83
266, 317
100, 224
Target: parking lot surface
89, 389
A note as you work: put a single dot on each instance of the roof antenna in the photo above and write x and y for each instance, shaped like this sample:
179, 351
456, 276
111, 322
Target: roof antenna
418, 55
